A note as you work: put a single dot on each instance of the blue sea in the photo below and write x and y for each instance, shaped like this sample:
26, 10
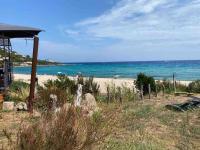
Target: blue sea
183, 70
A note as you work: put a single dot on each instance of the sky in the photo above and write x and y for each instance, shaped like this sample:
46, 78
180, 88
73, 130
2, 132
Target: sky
108, 30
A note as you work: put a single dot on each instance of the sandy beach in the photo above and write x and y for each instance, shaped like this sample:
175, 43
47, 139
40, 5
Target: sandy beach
103, 82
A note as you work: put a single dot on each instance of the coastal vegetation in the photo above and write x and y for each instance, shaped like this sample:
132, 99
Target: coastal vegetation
194, 86
18, 91
65, 91
118, 94
143, 81
21, 60
124, 120
89, 86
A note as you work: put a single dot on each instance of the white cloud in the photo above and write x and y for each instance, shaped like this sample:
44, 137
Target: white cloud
132, 30
146, 20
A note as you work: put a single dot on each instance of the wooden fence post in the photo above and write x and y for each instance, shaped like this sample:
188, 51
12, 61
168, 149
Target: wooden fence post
149, 90
108, 94
156, 91
120, 95
134, 93
114, 93
141, 92
163, 87
174, 83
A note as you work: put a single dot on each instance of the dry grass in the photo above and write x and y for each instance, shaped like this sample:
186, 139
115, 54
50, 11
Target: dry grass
67, 129
133, 125
9, 126
148, 125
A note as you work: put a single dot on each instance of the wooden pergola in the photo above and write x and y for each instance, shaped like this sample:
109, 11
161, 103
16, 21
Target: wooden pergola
8, 32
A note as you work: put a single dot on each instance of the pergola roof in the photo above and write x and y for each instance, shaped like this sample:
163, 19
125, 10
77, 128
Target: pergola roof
13, 31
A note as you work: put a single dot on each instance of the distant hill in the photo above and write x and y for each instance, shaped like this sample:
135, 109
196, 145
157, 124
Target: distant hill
21, 60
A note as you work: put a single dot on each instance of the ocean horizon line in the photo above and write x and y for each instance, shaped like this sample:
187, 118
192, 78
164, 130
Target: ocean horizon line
131, 61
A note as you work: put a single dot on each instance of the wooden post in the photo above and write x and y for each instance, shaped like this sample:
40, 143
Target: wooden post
5, 69
141, 92
134, 94
163, 89
108, 94
156, 91
33, 73
120, 95
174, 83
149, 90
114, 93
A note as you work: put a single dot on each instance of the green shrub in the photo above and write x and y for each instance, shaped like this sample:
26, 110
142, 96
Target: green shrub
63, 83
101, 98
89, 86
96, 117
194, 87
63, 88
128, 94
169, 86
18, 91
44, 102
144, 80
181, 87
119, 93
16, 86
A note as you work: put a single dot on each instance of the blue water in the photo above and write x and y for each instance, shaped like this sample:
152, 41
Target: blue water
184, 70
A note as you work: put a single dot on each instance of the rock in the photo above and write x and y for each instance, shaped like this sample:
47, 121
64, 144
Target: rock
7, 106
21, 106
53, 99
89, 104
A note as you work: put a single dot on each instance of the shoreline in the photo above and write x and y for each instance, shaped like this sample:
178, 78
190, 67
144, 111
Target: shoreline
38, 65
103, 82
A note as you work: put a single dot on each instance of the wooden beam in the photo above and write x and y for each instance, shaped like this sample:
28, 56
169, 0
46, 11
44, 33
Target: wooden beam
33, 73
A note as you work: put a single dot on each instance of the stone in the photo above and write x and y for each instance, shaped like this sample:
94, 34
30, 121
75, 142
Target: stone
21, 106
54, 99
8, 106
89, 104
